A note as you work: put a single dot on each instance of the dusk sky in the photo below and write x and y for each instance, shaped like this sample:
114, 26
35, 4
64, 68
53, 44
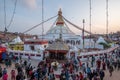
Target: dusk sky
28, 13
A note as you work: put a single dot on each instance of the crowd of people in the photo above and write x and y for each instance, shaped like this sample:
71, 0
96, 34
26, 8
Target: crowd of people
93, 68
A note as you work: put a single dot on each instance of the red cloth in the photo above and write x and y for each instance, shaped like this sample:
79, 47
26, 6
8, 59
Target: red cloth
81, 77
98, 64
57, 75
5, 76
80, 63
104, 66
30, 72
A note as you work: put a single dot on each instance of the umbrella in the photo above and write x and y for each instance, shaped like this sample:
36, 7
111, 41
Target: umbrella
54, 63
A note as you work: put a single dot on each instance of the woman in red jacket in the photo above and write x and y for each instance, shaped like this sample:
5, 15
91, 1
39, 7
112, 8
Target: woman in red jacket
5, 76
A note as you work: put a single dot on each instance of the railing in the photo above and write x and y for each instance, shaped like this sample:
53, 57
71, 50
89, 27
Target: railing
35, 55
25, 54
97, 53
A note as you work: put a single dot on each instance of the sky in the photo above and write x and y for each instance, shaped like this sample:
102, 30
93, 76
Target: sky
29, 13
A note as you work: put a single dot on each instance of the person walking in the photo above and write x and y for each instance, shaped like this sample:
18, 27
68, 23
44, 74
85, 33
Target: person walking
118, 64
18, 76
115, 64
93, 60
4, 71
103, 65
81, 75
13, 74
5, 76
90, 76
84, 76
98, 63
102, 74
0, 71
110, 70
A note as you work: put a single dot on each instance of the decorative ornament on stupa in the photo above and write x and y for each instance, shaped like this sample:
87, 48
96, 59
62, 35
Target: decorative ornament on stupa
60, 20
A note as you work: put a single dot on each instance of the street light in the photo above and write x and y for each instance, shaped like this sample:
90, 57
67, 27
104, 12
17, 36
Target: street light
83, 32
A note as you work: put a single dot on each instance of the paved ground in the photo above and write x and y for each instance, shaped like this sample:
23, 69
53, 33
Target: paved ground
115, 76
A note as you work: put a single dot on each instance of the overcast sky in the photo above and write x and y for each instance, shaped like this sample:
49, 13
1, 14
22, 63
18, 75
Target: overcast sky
28, 13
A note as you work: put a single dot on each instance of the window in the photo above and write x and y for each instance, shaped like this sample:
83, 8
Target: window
17, 47
45, 46
32, 48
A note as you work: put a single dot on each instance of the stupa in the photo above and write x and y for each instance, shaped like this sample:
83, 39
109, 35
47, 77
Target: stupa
60, 27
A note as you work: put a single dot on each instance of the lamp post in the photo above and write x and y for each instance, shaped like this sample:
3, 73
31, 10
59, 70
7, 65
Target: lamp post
83, 32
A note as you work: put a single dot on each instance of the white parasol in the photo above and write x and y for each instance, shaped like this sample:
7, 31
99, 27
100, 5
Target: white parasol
55, 63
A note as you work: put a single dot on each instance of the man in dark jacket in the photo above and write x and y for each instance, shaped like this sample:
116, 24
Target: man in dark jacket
18, 77
90, 76
102, 74
110, 70
62, 76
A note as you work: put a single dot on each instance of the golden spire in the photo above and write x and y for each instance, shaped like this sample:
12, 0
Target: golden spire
60, 20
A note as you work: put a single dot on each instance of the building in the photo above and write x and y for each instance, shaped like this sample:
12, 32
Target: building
35, 45
16, 44
58, 50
